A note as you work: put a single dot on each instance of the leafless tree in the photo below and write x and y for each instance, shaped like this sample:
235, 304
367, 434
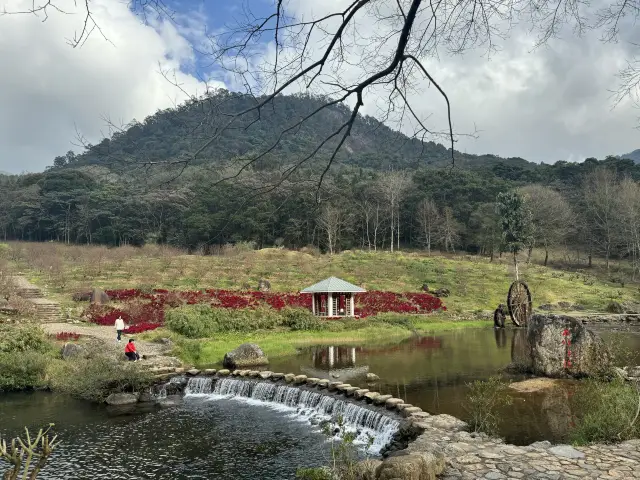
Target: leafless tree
393, 186
628, 204
331, 221
355, 52
551, 214
449, 230
369, 204
599, 191
428, 220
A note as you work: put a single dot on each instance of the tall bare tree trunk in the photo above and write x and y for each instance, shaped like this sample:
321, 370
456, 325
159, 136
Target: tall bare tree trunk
392, 225
398, 231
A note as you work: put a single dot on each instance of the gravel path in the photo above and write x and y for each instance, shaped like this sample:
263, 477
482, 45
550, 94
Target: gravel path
107, 334
470, 456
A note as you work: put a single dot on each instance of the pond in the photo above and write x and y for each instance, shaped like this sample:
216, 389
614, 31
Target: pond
432, 372
211, 436
199, 439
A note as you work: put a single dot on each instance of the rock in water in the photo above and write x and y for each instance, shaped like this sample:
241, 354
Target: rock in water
99, 297
372, 377
560, 346
246, 355
122, 399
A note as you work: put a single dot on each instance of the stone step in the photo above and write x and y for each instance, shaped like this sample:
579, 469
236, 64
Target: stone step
27, 295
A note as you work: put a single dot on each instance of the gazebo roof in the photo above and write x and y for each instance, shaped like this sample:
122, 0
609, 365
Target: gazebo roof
333, 285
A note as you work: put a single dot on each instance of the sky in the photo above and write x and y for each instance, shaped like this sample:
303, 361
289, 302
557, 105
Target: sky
546, 104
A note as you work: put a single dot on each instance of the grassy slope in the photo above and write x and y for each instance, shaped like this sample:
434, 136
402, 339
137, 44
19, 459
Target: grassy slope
475, 283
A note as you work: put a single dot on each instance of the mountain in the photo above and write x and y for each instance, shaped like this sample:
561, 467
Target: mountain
177, 133
635, 156
107, 195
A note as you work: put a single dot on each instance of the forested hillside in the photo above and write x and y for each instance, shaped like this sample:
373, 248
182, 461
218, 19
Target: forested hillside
170, 135
386, 191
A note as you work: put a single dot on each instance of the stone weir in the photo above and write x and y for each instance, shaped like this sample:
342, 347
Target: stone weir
382, 422
419, 446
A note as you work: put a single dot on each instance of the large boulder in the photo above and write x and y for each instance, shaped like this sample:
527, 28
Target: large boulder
560, 346
264, 285
99, 297
81, 296
71, 350
246, 355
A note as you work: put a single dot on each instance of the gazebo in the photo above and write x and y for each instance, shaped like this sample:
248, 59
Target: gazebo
333, 297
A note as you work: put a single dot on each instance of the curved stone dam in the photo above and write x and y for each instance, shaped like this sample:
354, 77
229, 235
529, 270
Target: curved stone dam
374, 427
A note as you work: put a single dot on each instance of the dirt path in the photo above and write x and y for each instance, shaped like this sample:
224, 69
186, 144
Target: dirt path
108, 335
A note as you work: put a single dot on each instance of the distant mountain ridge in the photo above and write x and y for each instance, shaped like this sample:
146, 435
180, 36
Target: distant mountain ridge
635, 156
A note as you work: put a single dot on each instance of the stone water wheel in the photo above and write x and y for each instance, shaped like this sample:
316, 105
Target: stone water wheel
519, 303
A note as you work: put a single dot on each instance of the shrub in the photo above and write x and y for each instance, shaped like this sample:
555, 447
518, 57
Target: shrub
300, 319
193, 321
190, 351
23, 339
336, 326
96, 378
391, 318
24, 370
605, 412
199, 321
484, 401
316, 473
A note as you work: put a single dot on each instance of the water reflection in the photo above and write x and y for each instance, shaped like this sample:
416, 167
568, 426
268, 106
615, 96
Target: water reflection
501, 337
350, 362
335, 362
520, 349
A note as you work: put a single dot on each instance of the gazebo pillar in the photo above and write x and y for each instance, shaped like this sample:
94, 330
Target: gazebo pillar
329, 305
313, 303
352, 306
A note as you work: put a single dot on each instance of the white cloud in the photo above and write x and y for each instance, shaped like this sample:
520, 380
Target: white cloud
546, 104
48, 88
542, 104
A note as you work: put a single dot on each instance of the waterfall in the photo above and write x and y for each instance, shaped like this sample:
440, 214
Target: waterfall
370, 426
198, 386
159, 392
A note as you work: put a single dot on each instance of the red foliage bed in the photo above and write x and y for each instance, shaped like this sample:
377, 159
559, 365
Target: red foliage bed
144, 311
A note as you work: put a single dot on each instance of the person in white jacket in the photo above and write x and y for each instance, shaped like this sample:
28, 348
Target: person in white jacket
119, 327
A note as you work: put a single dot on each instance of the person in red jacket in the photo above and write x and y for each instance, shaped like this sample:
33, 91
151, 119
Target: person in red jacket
130, 351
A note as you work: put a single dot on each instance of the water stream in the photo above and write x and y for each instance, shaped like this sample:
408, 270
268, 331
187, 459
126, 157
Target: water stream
373, 429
